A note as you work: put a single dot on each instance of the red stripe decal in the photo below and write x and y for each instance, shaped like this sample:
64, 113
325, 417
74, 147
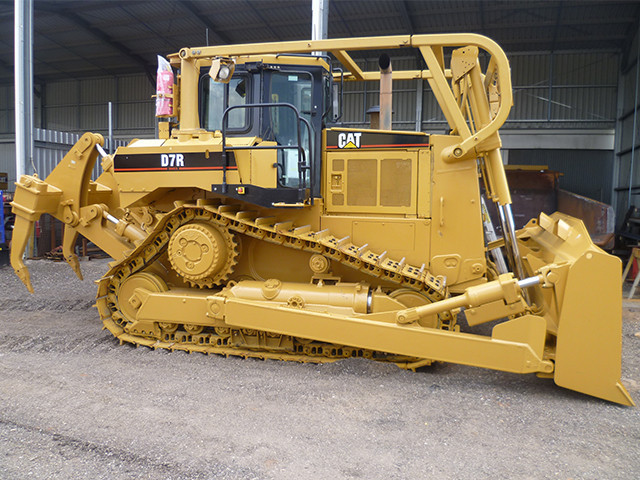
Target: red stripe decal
170, 169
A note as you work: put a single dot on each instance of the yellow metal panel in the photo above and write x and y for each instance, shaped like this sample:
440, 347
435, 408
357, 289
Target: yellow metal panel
362, 181
400, 235
457, 235
263, 169
372, 181
425, 166
396, 175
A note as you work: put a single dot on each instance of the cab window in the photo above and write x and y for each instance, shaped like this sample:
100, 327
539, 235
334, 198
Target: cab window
216, 97
294, 88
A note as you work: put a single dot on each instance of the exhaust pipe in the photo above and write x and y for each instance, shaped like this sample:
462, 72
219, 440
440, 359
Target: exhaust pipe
384, 62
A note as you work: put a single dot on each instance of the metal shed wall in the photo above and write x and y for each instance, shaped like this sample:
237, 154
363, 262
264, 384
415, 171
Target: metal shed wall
8, 158
551, 91
626, 182
585, 172
560, 90
49, 147
82, 105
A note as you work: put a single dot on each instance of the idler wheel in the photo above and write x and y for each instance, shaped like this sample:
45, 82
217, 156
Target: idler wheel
202, 254
128, 301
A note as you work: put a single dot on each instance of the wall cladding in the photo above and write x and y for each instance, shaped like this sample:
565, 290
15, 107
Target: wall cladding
626, 183
49, 147
585, 172
82, 105
561, 90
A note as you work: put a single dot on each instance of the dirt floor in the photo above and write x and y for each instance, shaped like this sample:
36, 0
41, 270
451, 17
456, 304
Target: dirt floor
74, 404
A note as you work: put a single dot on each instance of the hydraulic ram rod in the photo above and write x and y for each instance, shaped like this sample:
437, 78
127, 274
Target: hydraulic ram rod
505, 288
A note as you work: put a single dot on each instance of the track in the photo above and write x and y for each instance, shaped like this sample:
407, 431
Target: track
249, 343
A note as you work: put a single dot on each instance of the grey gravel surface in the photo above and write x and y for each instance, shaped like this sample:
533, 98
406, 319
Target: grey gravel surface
74, 404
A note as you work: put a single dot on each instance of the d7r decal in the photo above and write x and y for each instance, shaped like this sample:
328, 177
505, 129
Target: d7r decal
171, 162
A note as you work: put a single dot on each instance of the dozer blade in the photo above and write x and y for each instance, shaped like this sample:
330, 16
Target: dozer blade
589, 345
586, 306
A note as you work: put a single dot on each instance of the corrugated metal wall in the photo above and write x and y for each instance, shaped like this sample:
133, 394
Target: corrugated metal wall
49, 147
564, 90
585, 172
8, 158
82, 105
77, 106
627, 169
561, 90
360, 96
7, 119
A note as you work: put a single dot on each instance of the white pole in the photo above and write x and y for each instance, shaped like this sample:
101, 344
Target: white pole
23, 56
110, 149
319, 20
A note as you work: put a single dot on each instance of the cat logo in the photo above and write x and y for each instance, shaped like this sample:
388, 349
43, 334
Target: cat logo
349, 140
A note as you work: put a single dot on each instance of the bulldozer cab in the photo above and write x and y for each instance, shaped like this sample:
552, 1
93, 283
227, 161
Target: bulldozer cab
280, 103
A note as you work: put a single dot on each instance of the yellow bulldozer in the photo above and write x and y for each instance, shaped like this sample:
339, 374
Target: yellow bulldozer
256, 225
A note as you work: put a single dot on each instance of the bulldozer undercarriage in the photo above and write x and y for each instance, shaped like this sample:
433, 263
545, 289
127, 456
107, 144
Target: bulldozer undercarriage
208, 229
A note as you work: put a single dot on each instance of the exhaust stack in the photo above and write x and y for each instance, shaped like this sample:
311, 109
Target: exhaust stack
384, 62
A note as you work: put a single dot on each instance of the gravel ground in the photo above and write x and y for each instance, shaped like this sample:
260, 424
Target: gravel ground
75, 404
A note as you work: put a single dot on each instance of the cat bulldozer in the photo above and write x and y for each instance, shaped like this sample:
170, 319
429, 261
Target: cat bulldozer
257, 225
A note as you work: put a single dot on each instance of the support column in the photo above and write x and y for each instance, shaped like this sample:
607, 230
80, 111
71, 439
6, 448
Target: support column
319, 19
23, 70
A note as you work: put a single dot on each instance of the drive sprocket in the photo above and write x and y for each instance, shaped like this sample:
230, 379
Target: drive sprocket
203, 254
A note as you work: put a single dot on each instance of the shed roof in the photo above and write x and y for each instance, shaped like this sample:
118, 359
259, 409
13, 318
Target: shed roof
75, 39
